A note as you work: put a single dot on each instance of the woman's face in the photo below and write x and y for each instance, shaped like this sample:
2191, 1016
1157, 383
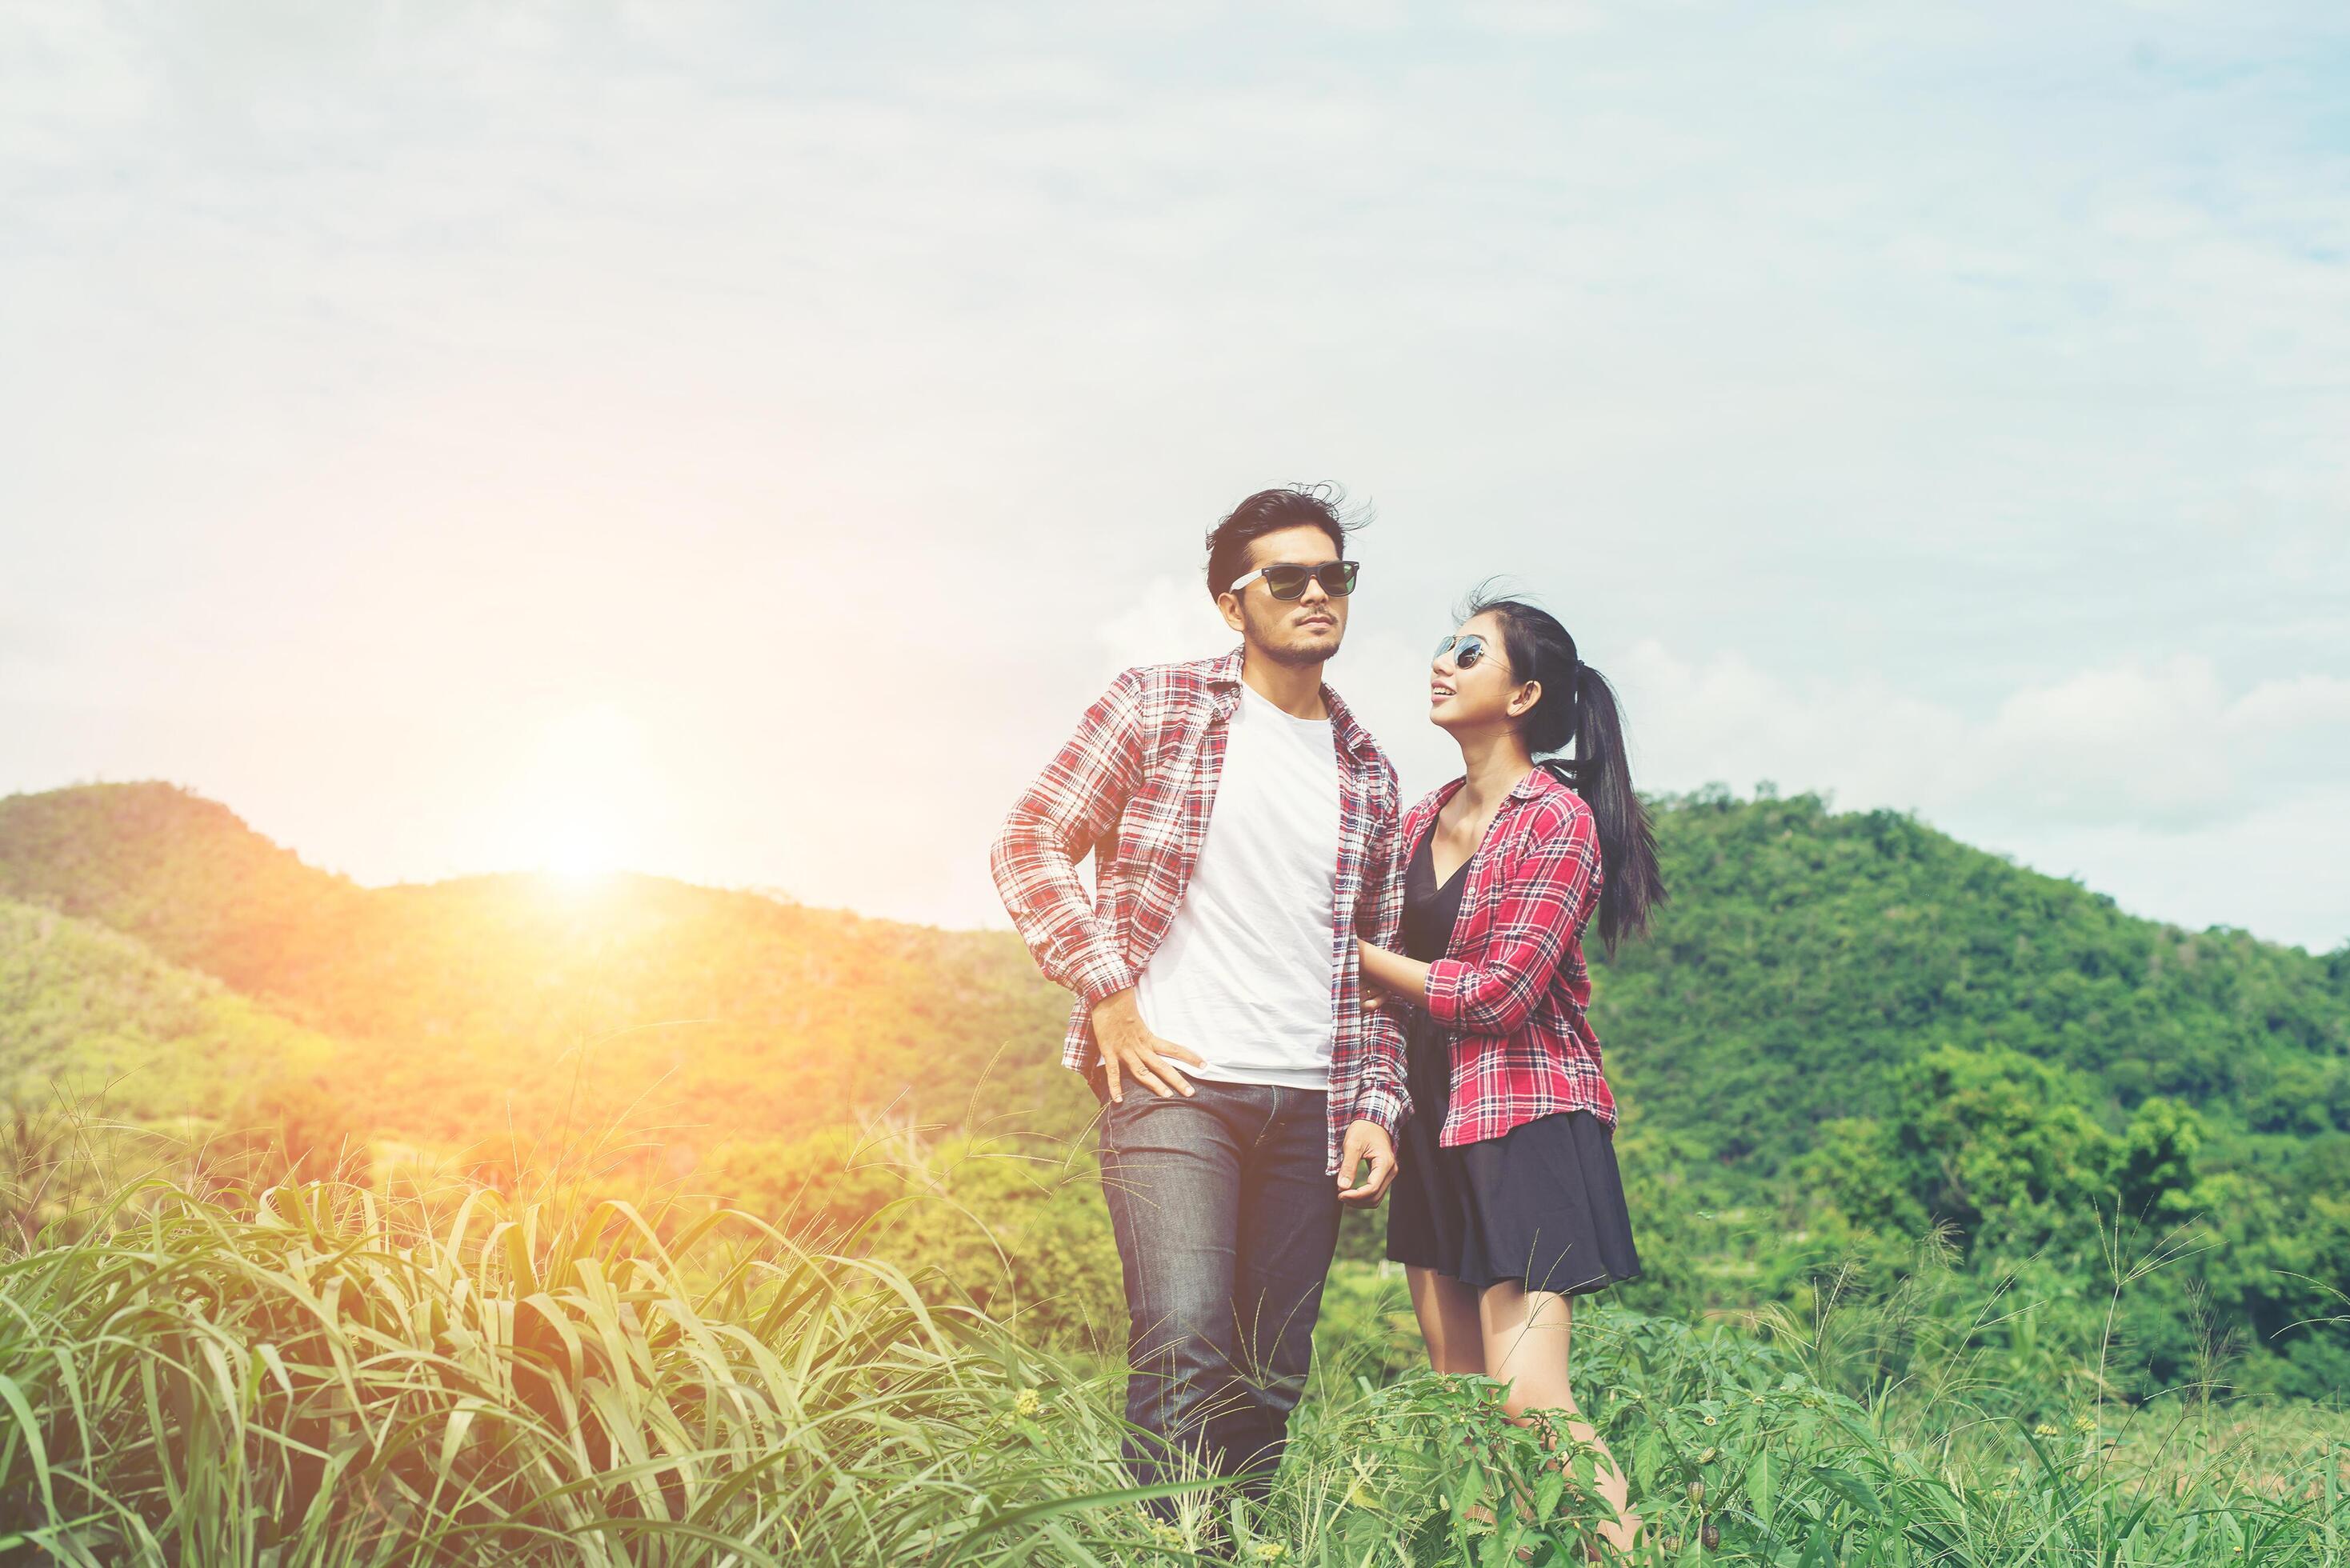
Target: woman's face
1487, 692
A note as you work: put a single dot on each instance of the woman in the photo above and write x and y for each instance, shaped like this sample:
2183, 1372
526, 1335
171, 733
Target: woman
1507, 1202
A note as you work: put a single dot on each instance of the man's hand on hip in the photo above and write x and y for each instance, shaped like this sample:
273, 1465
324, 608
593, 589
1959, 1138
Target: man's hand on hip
1129, 1049
1365, 1141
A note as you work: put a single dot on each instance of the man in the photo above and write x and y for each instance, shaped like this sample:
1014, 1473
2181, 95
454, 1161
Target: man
1243, 824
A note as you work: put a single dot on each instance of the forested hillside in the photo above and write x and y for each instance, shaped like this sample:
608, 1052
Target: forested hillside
88, 1014
1807, 957
1847, 1031
1865, 1030
474, 1006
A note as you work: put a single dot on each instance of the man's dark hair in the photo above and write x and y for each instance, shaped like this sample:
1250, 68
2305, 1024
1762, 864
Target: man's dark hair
1268, 512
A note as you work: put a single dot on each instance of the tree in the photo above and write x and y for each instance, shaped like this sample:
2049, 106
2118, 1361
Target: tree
1994, 1134
2154, 1167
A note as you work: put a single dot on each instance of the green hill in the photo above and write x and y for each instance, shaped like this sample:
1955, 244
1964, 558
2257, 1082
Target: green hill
486, 1004
186, 878
1854, 1029
1806, 958
1848, 1029
1807, 955
89, 1015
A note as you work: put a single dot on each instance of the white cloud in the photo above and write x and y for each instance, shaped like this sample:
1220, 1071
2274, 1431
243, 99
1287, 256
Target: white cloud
2295, 852
1168, 620
2155, 748
2153, 782
2129, 742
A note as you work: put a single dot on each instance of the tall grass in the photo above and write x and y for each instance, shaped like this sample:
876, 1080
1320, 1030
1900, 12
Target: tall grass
319, 1376
1741, 1449
320, 1372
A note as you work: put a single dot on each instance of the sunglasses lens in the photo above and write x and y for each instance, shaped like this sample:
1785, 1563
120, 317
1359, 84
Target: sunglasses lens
1287, 582
1465, 650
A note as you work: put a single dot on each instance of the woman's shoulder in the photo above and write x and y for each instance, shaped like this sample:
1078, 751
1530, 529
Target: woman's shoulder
1547, 806
1433, 800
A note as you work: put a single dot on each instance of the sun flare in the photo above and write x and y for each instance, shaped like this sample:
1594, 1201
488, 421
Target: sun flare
581, 854
582, 796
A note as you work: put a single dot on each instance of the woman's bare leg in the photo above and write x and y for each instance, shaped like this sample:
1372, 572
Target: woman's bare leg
1447, 1311
1526, 1335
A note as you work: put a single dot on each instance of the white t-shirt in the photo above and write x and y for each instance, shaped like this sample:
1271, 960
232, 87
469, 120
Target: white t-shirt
1243, 976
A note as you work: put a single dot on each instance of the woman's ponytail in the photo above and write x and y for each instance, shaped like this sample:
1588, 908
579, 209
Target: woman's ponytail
1627, 844
1578, 712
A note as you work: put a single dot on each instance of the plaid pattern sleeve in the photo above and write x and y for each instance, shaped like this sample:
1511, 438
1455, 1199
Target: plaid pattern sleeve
1537, 911
1382, 1095
1512, 991
1073, 803
1137, 783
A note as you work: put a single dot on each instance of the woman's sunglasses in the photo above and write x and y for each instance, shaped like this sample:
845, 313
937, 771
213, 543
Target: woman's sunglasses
1465, 650
1337, 577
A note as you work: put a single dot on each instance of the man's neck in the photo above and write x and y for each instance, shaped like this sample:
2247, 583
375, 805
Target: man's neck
1294, 688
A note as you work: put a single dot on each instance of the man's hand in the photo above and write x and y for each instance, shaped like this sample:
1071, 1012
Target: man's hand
1365, 1141
1130, 1048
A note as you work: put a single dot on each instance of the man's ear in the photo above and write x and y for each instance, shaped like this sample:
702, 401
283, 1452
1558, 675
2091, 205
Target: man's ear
1228, 604
1522, 701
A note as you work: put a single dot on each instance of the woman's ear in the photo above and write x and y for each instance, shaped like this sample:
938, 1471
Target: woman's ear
1522, 701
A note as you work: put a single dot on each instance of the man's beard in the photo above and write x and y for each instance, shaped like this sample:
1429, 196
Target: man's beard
1296, 657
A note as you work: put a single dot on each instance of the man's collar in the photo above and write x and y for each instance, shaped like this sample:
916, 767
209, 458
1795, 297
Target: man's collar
1351, 735
1226, 671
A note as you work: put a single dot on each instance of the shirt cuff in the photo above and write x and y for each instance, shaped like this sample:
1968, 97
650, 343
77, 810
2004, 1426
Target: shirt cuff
1101, 976
1447, 979
1381, 1104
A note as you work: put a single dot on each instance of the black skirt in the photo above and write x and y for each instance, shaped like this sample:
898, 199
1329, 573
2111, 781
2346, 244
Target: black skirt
1542, 1204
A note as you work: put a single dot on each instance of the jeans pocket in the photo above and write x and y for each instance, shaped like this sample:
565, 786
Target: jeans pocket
1106, 1134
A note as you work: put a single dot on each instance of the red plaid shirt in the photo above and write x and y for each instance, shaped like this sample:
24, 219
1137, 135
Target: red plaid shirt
1512, 989
1135, 785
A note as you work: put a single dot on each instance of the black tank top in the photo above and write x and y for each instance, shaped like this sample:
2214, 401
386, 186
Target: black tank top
1429, 911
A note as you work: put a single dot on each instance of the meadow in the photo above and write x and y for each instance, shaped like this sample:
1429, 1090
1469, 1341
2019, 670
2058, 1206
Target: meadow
199, 1369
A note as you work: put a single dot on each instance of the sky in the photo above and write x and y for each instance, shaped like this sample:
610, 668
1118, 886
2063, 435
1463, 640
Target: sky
736, 441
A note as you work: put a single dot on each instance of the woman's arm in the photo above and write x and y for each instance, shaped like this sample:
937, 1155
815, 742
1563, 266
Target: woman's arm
1543, 896
1399, 977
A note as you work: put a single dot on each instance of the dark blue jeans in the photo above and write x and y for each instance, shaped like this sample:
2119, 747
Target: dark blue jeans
1225, 1224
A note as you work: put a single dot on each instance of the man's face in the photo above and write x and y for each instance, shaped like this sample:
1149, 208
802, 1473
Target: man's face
1303, 630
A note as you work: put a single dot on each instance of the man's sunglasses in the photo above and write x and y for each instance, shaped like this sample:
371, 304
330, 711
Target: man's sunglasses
1465, 650
1337, 577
